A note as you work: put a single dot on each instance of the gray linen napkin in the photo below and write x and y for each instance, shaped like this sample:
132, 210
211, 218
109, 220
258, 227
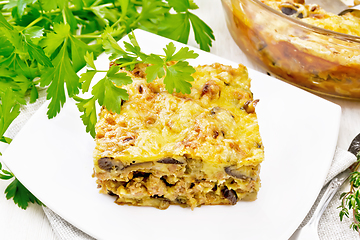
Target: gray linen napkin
64, 230
330, 226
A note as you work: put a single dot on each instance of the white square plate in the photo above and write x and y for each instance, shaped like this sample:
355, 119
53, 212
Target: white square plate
53, 159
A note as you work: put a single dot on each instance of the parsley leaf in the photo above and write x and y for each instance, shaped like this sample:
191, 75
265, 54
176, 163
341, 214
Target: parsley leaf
89, 59
12, 35
48, 5
56, 78
34, 32
152, 11
65, 68
89, 117
9, 110
54, 39
4, 174
21, 5
177, 76
108, 92
6, 48
177, 26
15, 190
182, 6
203, 33
183, 54
78, 50
20, 195
111, 47
156, 69
86, 78
36, 52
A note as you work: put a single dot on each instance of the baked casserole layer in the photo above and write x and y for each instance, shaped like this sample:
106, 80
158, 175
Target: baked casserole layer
202, 148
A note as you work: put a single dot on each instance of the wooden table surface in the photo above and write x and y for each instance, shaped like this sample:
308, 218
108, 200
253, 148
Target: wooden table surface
16, 223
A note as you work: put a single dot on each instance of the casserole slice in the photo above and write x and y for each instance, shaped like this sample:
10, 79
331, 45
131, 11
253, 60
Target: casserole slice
202, 148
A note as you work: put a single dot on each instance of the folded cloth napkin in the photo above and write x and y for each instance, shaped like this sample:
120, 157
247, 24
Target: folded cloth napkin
64, 230
330, 226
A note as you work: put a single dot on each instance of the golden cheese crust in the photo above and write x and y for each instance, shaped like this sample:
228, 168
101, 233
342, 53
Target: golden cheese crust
188, 149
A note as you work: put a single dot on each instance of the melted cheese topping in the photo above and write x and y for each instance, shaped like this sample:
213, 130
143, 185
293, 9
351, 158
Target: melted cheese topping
210, 124
188, 149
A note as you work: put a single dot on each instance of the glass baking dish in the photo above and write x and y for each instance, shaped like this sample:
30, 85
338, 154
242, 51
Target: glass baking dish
307, 56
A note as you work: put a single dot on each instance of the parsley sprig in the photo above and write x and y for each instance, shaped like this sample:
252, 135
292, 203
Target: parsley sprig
45, 44
350, 201
108, 92
15, 190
